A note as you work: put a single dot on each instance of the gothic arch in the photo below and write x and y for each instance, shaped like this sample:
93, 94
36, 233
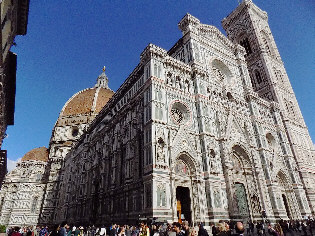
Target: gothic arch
244, 197
285, 197
283, 180
266, 43
188, 160
240, 148
245, 41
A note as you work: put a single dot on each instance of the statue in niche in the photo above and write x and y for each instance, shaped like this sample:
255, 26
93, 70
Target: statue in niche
178, 84
214, 164
186, 86
217, 198
160, 150
169, 79
196, 201
224, 199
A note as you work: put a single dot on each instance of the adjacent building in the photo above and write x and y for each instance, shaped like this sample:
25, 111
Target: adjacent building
14, 17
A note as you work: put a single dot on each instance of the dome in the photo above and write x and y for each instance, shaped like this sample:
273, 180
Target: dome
36, 154
89, 101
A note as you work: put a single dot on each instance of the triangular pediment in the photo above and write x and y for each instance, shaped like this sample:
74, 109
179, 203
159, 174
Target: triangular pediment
214, 34
236, 131
183, 142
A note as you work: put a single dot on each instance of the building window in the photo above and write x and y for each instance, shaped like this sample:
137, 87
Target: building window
75, 131
258, 77
246, 45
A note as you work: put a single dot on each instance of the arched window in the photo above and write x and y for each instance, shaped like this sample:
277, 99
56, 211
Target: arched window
289, 107
279, 76
258, 77
75, 131
246, 45
266, 46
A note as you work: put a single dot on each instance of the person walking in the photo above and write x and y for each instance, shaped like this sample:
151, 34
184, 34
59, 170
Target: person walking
62, 231
239, 228
177, 229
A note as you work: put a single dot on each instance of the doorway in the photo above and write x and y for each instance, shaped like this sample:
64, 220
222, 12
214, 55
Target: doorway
242, 204
183, 204
287, 209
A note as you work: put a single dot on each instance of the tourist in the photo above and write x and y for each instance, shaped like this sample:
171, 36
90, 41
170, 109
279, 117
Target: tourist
102, 231
62, 231
239, 228
278, 229
214, 230
121, 231
222, 230
272, 231
81, 228
54, 231
194, 231
177, 229
185, 228
16, 231
68, 230
76, 231
113, 230
202, 231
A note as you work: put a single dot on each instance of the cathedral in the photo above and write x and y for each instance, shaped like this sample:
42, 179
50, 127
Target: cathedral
208, 130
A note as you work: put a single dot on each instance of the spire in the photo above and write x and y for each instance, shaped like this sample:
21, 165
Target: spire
102, 80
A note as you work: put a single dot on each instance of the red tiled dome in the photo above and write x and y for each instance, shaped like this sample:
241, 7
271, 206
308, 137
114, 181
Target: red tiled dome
36, 154
87, 101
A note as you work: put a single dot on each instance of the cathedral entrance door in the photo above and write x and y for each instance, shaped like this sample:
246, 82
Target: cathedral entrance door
183, 204
286, 205
242, 203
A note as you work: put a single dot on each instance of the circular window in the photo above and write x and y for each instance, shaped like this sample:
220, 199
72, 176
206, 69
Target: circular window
75, 131
180, 113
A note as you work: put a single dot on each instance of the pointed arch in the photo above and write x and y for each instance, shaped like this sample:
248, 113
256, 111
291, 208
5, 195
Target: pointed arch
187, 160
266, 43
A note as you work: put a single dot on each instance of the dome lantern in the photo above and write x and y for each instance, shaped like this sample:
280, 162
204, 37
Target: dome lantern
102, 80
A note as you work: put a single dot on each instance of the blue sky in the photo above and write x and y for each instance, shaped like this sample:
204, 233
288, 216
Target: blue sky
68, 43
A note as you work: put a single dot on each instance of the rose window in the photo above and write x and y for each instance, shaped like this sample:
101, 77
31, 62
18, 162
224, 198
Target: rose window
177, 115
180, 113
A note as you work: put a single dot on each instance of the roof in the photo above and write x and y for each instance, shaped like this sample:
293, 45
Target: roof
89, 101
36, 154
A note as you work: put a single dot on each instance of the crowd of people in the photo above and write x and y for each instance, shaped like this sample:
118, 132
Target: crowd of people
222, 228
264, 228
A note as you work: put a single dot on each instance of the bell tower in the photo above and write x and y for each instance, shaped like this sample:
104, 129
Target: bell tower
248, 26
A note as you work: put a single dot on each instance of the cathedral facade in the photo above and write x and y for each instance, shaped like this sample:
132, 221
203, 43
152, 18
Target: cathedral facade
207, 130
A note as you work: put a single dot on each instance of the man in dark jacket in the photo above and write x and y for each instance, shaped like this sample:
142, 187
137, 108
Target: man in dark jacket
202, 231
113, 231
62, 230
